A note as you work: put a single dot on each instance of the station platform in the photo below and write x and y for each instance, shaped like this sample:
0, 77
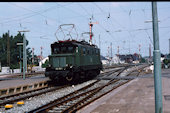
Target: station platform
13, 75
137, 96
16, 85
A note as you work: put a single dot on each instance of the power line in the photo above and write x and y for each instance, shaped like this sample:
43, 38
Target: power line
96, 20
149, 37
29, 15
114, 19
37, 13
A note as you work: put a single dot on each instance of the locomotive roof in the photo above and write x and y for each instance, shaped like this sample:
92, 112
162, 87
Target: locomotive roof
75, 42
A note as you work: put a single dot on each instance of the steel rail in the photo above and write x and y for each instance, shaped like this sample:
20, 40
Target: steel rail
30, 94
82, 103
68, 98
80, 96
59, 100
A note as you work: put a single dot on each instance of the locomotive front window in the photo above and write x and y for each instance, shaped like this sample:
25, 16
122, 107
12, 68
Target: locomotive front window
63, 49
70, 49
56, 50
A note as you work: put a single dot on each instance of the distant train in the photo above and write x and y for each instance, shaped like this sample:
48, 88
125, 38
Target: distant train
73, 60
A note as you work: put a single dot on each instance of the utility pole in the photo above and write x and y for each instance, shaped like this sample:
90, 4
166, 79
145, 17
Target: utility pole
139, 52
8, 50
24, 55
118, 50
149, 50
129, 46
111, 50
157, 62
99, 43
32, 56
41, 56
169, 46
108, 54
20, 44
118, 54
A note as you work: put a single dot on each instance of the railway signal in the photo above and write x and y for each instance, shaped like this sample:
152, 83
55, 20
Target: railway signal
91, 34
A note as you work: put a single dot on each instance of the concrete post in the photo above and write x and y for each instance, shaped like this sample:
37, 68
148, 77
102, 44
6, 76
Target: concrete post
20, 58
169, 46
24, 57
157, 62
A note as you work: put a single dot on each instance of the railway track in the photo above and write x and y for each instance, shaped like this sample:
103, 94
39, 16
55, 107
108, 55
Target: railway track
10, 99
137, 71
111, 72
78, 99
92, 88
21, 96
75, 101
108, 73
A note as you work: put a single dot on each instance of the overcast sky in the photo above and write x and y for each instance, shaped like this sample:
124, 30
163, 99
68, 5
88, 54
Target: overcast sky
122, 23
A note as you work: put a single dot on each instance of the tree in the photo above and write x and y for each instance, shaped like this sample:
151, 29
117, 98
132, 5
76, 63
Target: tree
165, 61
143, 60
45, 64
14, 49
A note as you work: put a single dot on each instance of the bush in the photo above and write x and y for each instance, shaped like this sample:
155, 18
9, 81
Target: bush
45, 64
166, 61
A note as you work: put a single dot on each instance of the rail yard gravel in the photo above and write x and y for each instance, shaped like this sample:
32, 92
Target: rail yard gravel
34, 102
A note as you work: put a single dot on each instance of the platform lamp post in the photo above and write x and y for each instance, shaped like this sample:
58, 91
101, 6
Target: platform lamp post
20, 44
157, 62
24, 54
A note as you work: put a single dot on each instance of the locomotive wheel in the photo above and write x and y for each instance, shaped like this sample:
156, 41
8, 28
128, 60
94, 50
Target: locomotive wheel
91, 74
98, 72
76, 77
69, 78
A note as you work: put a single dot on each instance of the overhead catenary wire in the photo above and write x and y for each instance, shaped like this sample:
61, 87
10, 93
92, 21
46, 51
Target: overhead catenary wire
143, 10
114, 20
34, 13
102, 27
96, 20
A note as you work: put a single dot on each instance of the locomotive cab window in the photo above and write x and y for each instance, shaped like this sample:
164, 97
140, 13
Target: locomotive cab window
97, 52
56, 50
70, 49
63, 49
84, 51
88, 52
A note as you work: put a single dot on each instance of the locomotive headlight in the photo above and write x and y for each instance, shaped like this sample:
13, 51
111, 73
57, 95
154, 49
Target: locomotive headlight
66, 65
49, 65
76, 49
71, 66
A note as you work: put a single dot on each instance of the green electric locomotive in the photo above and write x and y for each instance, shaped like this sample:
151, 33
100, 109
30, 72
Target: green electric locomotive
73, 60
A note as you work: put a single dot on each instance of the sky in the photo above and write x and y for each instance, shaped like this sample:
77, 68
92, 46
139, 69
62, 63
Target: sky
124, 24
